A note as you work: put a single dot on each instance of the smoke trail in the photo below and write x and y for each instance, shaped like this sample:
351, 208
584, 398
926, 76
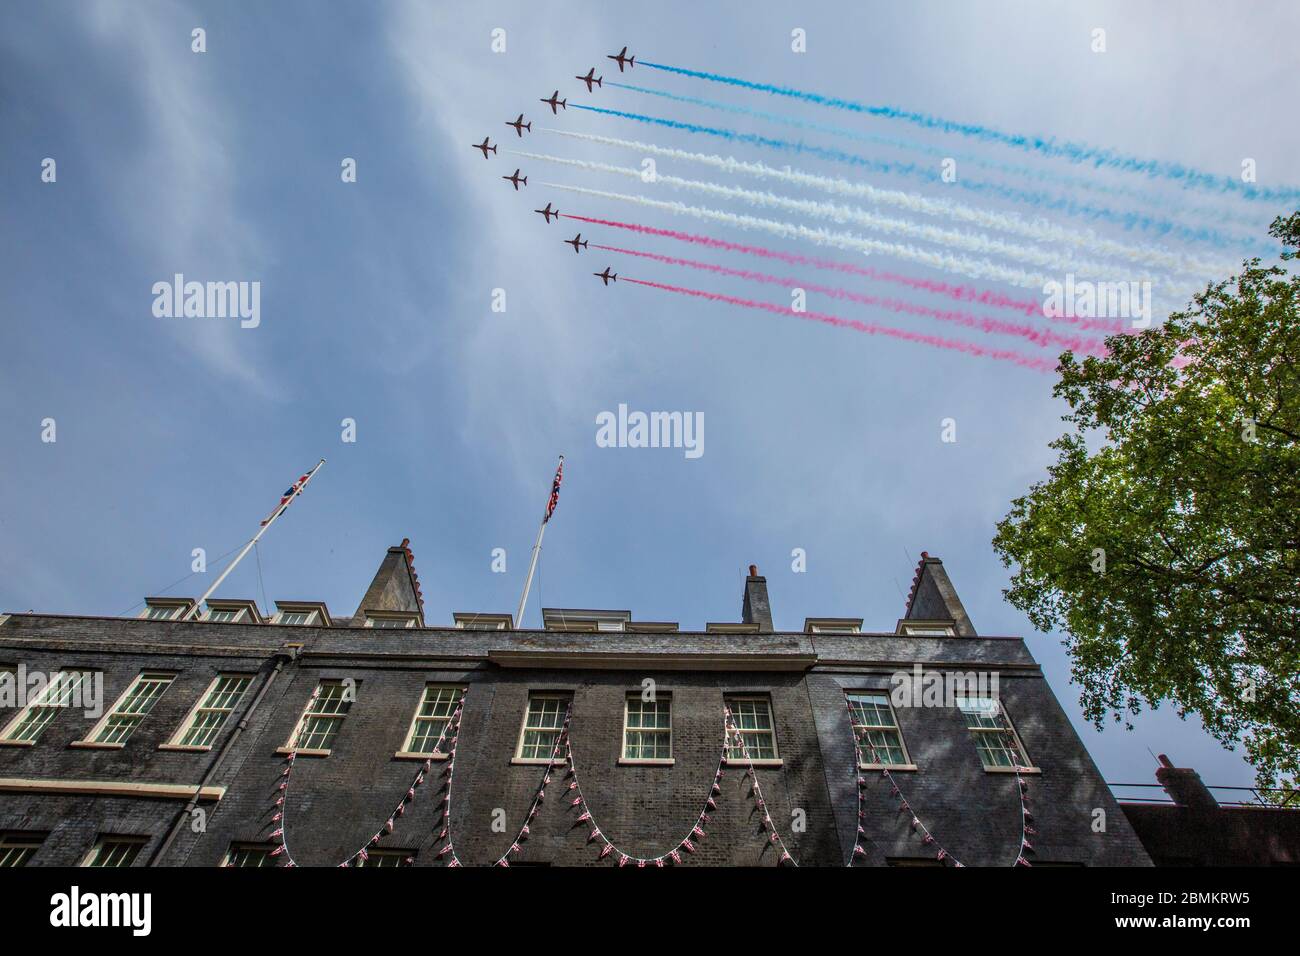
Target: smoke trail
1039, 230
1043, 337
1074, 152
1039, 200
870, 328
1144, 196
971, 268
971, 242
961, 293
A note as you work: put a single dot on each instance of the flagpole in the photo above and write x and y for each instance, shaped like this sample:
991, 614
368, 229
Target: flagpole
532, 565
248, 547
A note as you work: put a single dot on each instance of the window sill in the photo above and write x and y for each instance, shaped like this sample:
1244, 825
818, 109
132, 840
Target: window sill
92, 745
537, 761
301, 752
757, 762
412, 755
646, 761
184, 748
17, 743
1023, 770
891, 767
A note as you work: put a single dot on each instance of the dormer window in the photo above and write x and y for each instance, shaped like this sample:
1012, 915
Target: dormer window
392, 619
301, 614
165, 609
562, 619
232, 612
731, 628
919, 628
466, 621
833, 625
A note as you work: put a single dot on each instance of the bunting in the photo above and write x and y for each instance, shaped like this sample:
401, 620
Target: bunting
279, 814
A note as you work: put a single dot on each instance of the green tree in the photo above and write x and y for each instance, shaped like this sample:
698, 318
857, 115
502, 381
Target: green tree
1165, 541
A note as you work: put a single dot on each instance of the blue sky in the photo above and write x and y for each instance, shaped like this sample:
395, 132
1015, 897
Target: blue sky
375, 304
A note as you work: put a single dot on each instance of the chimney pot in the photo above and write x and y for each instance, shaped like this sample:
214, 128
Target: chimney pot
753, 570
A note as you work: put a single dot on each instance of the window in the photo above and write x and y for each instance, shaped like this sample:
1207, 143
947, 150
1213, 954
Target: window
482, 622
214, 707
880, 743
648, 729
389, 622
397, 619
431, 718
63, 691
131, 708
224, 615
114, 851
166, 609
996, 740
927, 631
8, 685
542, 724
752, 716
249, 854
387, 858
322, 718
294, 618
832, 625
17, 848
156, 613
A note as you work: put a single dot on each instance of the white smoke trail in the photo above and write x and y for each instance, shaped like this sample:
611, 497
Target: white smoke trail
1039, 230
969, 242
961, 265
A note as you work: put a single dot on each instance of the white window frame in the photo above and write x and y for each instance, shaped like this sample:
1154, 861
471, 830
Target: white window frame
407, 619
106, 838
63, 685
335, 717
524, 726
928, 630
166, 678
896, 729
407, 751
393, 853
244, 846
660, 699
729, 700
977, 733
15, 843
281, 614
468, 621
177, 739
172, 605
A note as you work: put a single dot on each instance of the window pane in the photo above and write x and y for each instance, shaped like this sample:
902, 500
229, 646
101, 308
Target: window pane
115, 853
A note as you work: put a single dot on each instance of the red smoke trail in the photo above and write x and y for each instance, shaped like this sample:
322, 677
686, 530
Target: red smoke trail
870, 328
962, 293
1043, 337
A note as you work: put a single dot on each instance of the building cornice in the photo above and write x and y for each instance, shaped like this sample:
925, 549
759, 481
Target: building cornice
593, 660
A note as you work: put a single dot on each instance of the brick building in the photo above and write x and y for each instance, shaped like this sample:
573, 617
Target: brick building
183, 766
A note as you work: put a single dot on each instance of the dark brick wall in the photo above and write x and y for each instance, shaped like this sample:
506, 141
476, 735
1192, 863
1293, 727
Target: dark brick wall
335, 803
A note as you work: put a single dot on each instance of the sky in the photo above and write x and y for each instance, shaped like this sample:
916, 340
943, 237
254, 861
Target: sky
376, 296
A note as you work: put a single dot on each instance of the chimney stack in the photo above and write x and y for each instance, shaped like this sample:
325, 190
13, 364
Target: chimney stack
1185, 786
756, 609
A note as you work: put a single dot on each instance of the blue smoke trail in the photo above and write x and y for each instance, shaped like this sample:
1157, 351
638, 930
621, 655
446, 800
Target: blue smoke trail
1141, 195
1128, 220
1074, 152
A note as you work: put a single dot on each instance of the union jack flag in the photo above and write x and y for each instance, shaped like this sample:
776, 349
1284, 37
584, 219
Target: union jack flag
288, 496
555, 491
